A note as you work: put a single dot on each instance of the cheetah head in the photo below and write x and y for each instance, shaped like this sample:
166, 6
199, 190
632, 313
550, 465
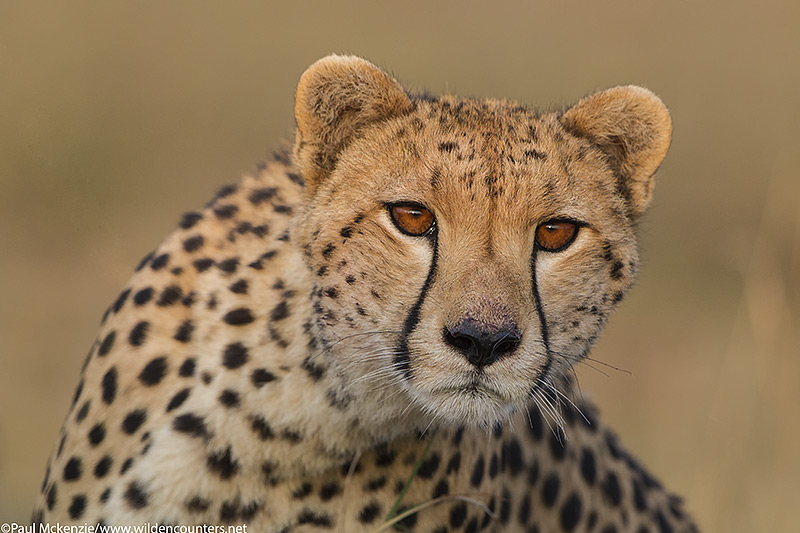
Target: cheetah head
466, 253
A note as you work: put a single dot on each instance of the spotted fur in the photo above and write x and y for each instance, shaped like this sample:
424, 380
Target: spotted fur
286, 358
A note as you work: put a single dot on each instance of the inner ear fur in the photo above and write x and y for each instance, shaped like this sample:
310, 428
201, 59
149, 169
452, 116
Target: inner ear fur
633, 128
337, 97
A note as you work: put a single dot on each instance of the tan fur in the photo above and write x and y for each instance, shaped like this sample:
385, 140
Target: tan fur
318, 330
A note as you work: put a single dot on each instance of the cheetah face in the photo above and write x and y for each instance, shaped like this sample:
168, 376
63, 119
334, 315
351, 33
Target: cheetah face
466, 253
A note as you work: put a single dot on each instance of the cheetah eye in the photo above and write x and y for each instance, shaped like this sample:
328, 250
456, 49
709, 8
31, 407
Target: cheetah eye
412, 219
556, 234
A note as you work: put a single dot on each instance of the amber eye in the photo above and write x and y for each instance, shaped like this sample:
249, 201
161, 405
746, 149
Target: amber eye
412, 219
555, 235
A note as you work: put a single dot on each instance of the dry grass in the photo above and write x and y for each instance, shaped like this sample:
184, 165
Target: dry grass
118, 116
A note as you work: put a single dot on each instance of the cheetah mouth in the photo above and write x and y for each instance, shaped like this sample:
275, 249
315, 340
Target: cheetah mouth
476, 390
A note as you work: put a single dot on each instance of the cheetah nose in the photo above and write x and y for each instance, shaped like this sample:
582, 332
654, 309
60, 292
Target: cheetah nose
482, 345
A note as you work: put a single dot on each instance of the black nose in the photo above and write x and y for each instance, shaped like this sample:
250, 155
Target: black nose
482, 345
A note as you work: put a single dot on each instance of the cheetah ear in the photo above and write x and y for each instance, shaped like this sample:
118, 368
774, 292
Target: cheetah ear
633, 128
337, 97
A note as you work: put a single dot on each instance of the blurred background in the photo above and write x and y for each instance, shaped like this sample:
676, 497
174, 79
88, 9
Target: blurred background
116, 117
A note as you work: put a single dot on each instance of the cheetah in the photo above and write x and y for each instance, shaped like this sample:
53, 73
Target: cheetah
375, 331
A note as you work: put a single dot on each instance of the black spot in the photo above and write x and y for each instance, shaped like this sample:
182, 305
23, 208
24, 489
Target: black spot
472, 526
222, 463
107, 344
291, 435
588, 468
190, 424
189, 220
613, 447
159, 262
302, 491
139, 333
228, 511
369, 512
513, 455
533, 472
477, 472
178, 399
558, 445
239, 317
121, 299
143, 296
83, 411
105, 495
109, 385
328, 250
198, 505
307, 516
261, 427
616, 270
663, 525
235, 355
126, 465
229, 398
638, 496
384, 457
524, 513
239, 287
144, 261
314, 370
260, 377
102, 467
493, 466
346, 232
192, 244
73, 469
136, 496
447, 146
201, 265
51, 497
454, 463
187, 368
77, 507
535, 154
429, 466
225, 191
571, 512
611, 489
282, 209
169, 296
97, 434
224, 212
329, 490
259, 196
550, 490
133, 421
536, 423
505, 506
153, 372
458, 514
184, 333
331, 292
440, 489
229, 266
407, 523
280, 311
